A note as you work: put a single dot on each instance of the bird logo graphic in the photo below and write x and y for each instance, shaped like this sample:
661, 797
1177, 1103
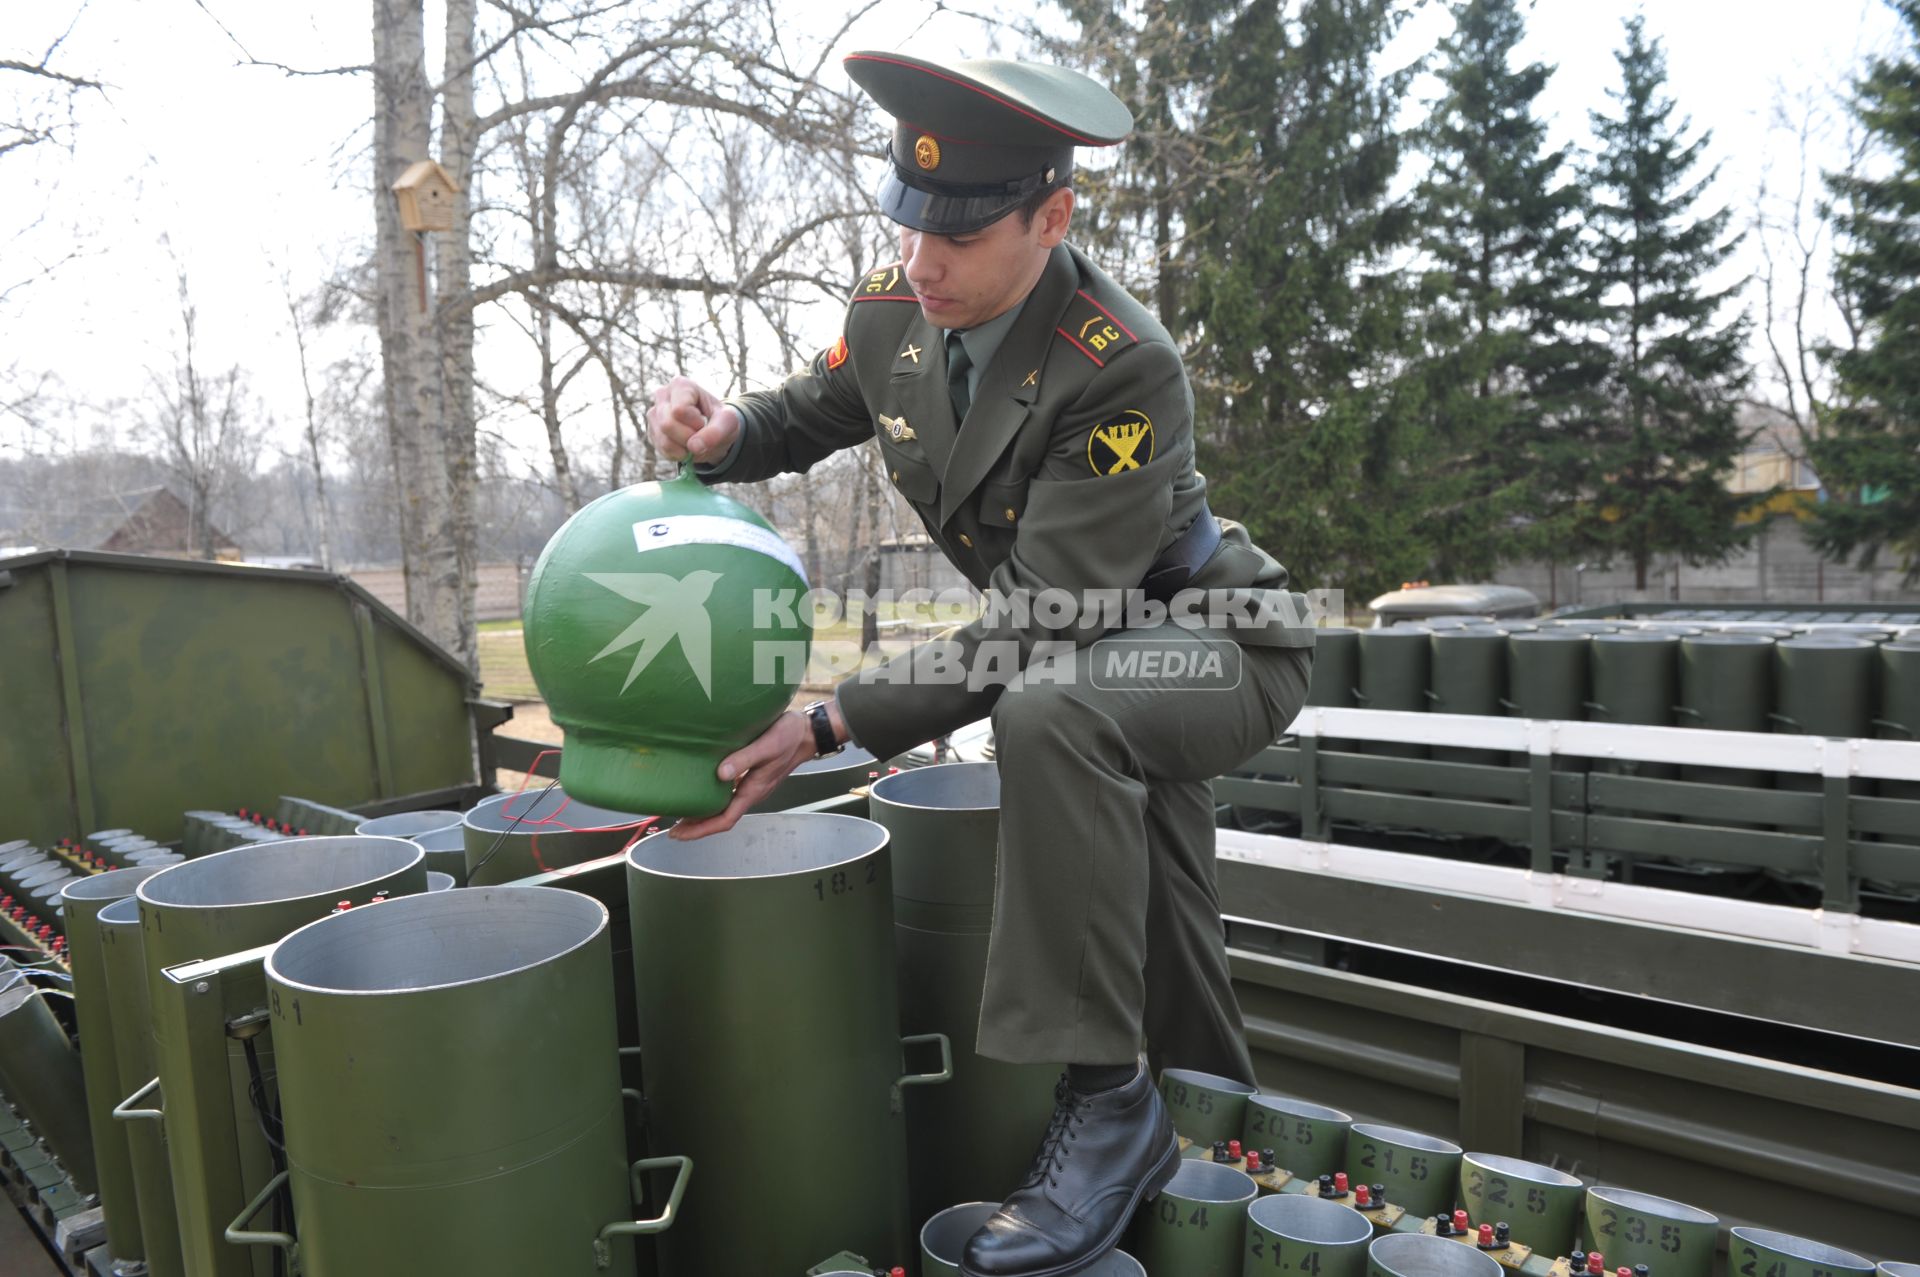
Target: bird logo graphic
676, 608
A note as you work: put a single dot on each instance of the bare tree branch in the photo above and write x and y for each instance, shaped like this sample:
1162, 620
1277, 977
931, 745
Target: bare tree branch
42, 70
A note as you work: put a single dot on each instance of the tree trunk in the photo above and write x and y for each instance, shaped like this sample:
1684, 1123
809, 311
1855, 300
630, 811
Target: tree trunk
870, 614
410, 347
811, 506
323, 523
550, 406
459, 131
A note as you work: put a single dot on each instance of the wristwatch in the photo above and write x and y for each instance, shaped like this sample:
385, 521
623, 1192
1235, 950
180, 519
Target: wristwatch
823, 739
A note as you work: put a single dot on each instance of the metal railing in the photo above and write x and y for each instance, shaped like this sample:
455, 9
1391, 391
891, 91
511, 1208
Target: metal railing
1592, 809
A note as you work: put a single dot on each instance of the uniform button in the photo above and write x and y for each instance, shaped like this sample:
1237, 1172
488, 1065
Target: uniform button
1009, 514
966, 540
896, 476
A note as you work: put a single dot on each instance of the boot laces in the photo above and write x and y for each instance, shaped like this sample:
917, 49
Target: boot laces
1062, 1130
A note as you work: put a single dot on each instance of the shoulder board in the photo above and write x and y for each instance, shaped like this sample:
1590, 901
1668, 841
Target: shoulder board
889, 283
1094, 330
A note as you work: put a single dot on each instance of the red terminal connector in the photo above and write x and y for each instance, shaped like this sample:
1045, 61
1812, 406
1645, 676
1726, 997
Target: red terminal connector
303, 833
1486, 1235
348, 904
898, 1272
1460, 1224
1233, 1150
1253, 1161
1339, 1181
1361, 1197
1625, 1271
1596, 1264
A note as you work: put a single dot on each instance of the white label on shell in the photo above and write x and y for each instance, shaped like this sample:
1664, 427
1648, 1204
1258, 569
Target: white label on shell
709, 529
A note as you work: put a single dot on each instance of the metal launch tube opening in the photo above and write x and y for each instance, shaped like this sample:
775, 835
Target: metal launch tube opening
436, 940
290, 870
1308, 1219
1648, 1204
1424, 1255
1528, 1172
947, 787
770, 846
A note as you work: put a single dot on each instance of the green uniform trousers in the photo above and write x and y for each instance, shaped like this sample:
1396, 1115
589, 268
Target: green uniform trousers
1107, 927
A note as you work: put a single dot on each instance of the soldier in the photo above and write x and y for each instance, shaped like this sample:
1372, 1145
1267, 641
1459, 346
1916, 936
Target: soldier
1038, 419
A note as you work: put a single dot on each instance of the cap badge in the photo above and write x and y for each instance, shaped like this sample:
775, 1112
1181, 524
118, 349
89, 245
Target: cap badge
926, 153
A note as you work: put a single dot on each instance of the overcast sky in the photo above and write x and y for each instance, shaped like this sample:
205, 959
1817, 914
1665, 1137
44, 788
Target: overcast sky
245, 174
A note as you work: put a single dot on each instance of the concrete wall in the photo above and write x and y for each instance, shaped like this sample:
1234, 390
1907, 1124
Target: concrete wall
1778, 566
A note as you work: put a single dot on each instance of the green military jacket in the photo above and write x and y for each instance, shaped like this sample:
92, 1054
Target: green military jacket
1073, 470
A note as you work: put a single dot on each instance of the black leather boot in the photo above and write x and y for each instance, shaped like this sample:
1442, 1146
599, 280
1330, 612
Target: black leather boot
1103, 1154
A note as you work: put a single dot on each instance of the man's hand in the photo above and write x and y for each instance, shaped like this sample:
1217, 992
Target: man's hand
758, 767
687, 420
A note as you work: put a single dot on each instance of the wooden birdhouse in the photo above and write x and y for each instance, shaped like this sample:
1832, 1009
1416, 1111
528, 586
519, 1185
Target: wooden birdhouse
426, 197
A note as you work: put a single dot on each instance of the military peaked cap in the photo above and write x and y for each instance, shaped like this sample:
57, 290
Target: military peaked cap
973, 140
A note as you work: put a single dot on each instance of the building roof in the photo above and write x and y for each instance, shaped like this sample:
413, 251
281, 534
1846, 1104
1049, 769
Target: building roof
150, 520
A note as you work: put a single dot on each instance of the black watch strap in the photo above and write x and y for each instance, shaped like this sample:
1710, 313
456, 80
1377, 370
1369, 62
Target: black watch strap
823, 738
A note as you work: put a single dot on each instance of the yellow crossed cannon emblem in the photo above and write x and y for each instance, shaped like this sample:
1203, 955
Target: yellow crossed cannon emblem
1115, 446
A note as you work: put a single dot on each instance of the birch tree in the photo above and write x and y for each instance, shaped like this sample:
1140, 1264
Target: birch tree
641, 65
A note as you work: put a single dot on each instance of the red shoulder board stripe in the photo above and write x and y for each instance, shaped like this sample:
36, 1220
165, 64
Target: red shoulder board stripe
1097, 361
889, 284
1094, 330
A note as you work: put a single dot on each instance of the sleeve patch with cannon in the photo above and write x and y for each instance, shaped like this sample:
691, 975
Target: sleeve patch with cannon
1122, 444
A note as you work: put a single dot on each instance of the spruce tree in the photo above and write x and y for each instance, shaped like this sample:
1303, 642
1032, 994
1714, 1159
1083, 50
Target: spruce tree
1505, 299
1868, 455
1650, 479
1297, 316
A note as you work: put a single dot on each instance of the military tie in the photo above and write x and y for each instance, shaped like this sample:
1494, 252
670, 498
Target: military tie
957, 366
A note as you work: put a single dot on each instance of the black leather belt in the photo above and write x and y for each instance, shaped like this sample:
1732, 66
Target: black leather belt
1181, 561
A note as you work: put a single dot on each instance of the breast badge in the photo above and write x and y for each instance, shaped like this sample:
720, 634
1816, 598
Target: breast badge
896, 427
1125, 443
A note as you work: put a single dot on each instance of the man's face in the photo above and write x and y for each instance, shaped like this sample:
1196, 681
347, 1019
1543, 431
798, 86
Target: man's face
963, 281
